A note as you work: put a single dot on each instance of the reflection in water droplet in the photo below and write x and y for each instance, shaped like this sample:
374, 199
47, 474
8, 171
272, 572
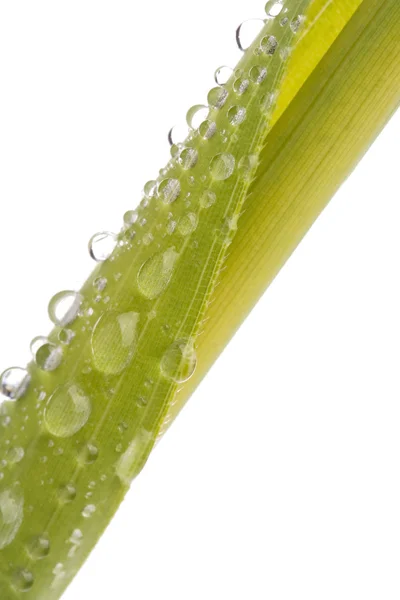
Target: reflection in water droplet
222, 75
14, 382
196, 115
64, 307
39, 547
217, 97
236, 115
113, 341
102, 245
11, 514
269, 44
179, 361
222, 166
207, 199
67, 411
22, 580
88, 511
258, 74
156, 273
273, 8
187, 224
188, 158
247, 32
169, 190
67, 493
240, 85
46, 355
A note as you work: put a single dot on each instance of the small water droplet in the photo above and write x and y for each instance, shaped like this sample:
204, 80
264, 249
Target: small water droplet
39, 547
67, 493
88, 511
207, 199
15, 454
65, 336
248, 165
217, 97
258, 74
131, 462
22, 580
297, 23
179, 361
150, 189
236, 115
113, 341
222, 166
285, 53
156, 273
64, 307
222, 75
130, 218
267, 102
207, 129
240, 85
46, 355
273, 8
102, 245
11, 514
187, 224
269, 44
247, 32
100, 284
67, 411
169, 190
188, 158
14, 383
196, 115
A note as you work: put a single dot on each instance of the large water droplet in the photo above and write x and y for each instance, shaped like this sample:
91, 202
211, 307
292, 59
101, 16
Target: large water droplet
188, 158
240, 85
207, 129
14, 382
187, 224
39, 547
102, 245
269, 44
113, 341
247, 32
150, 189
156, 273
258, 74
46, 355
196, 115
133, 459
177, 134
67, 411
222, 75
207, 199
222, 166
169, 190
236, 115
22, 580
297, 23
217, 97
130, 218
179, 361
273, 8
11, 514
64, 307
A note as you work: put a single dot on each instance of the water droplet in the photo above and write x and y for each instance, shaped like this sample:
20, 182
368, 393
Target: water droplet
217, 97
179, 361
273, 8
240, 85
22, 580
64, 307
207, 199
285, 53
187, 224
222, 166
297, 23
248, 165
67, 411
102, 245
100, 284
89, 454
88, 511
130, 218
177, 134
258, 74
207, 129
150, 189
196, 115
67, 493
65, 336
39, 547
46, 355
15, 454
169, 190
113, 341
247, 32
14, 383
222, 75
236, 115
11, 514
133, 459
283, 22
156, 272
269, 44
188, 158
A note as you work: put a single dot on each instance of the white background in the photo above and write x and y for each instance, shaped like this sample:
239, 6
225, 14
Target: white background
281, 478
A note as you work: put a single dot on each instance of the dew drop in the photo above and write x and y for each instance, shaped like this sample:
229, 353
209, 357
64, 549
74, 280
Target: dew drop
240, 85
187, 224
46, 355
150, 189
130, 218
100, 284
188, 158
131, 462
39, 547
269, 44
155, 274
14, 383
207, 129
64, 307
11, 515
169, 190
177, 134
102, 245
247, 32
217, 97
207, 199
67, 411
88, 511
15, 454
222, 75
273, 8
236, 115
113, 341
89, 454
22, 580
297, 23
222, 166
67, 493
258, 74
196, 115
248, 165
179, 361
66, 336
